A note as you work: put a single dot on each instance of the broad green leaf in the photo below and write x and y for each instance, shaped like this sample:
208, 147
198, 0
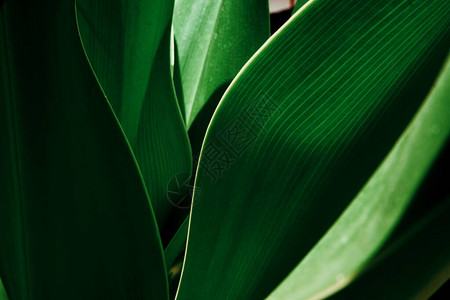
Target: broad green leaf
121, 39
214, 39
163, 149
300, 131
75, 218
367, 222
412, 268
128, 44
3, 295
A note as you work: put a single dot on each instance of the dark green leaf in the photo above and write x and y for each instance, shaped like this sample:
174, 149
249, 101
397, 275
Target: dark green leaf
75, 219
174, 256
413, 268
176, 245
3, 295
128, 44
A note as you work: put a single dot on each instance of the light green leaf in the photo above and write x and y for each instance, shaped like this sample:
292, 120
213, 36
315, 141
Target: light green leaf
75, 218
128, 44
365, 225
214, 39
300, 131
414, 267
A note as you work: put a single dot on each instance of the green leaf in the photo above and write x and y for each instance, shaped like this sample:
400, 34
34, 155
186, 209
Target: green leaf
414, 267
75, 218
300, 131
121, 39
174, 256
3, 295
176, 245
299, 5
128, 44
214, 39
367, 222
163, 150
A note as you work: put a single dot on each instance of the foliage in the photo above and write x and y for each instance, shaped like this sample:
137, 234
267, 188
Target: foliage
160, 149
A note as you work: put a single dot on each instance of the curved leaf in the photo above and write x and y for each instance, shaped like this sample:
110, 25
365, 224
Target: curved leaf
299, 132
128, 44
163, 150
74, 213
366, 223
121, 39
413, 268
214, 39
299, 4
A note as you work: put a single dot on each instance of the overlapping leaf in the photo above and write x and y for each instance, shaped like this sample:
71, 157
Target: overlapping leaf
304, 125
128, 45
75, 219
213, 40
414, 267
361, 230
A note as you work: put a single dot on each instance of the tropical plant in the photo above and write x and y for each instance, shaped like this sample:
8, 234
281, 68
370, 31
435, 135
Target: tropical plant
153, 149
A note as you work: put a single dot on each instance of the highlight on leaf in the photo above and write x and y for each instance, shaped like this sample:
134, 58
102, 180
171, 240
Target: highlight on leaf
240, 149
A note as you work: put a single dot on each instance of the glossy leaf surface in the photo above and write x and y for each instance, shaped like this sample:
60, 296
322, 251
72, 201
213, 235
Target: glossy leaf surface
296, 125
364, 226
214, 39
